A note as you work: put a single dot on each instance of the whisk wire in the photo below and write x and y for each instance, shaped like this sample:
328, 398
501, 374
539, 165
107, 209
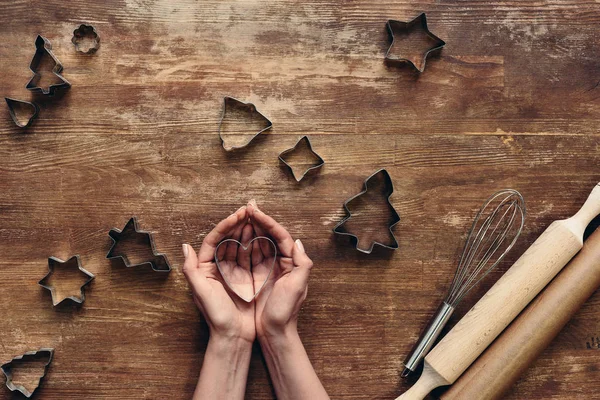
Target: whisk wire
475, 276
486, 237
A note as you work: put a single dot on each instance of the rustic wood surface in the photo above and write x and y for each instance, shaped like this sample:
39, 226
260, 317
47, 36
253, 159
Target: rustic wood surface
512, 101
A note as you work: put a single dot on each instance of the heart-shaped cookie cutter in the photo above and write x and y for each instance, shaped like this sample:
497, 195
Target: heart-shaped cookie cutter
246, 249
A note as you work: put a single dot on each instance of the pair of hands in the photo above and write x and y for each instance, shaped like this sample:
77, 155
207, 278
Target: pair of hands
274, 312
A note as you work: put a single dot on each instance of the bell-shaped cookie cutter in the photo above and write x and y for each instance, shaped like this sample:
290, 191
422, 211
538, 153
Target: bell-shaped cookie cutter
306, 142
394, 27
394, 218
12, 103
132, 227
230, 102
71, 262
247, 300
44, 47
30, 355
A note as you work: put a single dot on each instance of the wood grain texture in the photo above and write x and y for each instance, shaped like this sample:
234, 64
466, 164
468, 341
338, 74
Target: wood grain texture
512, 101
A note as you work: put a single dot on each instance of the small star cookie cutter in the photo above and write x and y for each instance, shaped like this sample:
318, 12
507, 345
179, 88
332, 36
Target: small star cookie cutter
305, 141
393, 220
227, 281
12, 103
396, 27
250, 108
43, 48
83, 34
71, 262
160, 262
30, 355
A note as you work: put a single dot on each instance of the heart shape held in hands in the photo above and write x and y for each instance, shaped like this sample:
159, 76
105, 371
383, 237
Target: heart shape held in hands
233, 275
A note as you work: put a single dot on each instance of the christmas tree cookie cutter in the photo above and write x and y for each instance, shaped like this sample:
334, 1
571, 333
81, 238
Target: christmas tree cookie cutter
43, 48
160, 263
30, 355
388, 189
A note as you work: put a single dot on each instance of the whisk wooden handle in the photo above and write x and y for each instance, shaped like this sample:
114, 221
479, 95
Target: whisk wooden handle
503, 302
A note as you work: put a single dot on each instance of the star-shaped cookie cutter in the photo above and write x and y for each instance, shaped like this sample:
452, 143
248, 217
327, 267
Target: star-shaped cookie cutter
42, 47
11, 103
70, 263
159, 264
230, 102
395, 27
30, 355
394, 218
306, 142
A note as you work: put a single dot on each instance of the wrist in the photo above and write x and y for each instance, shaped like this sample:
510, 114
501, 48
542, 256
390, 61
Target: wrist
220, 342
279, 339
224, 368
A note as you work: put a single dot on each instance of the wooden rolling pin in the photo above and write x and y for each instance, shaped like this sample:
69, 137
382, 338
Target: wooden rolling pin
524, 340
505, 300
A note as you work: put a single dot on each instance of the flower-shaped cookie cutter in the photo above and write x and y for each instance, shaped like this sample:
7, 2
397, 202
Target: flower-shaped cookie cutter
7, 370
84, 35
246, 248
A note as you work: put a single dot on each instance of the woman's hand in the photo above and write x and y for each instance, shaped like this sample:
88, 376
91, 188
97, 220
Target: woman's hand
277, 307
227, 316
230, 319
279, 302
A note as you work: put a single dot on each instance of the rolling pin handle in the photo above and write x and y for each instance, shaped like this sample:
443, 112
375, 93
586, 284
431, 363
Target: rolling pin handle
587, 212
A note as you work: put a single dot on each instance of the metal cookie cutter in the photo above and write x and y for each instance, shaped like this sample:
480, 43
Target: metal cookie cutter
160, 263
246, 299
231, 103
12, 103
304, 141
7, 370
82, 36
43, 48
393, 220
396, 28
70, 263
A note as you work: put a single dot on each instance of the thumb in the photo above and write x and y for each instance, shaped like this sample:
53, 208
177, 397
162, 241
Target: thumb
190, 265
193, 274
302, 263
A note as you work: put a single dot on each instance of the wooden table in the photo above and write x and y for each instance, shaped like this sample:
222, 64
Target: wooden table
512, 101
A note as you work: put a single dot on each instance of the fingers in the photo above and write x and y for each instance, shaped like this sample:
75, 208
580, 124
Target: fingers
220, 232
232, 247
266, 250
190, 265
192, 272
257, 254
302, 263
244, 256
267, 225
